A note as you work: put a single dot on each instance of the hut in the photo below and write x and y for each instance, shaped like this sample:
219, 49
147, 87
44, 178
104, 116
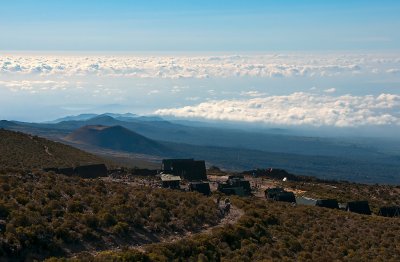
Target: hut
239, 181
389, 211
201, 187
235, 185
170, 181
91, 171
270, 193
328, 203
360, 207
228, 190
306, 201
68, 171
285, 197
3, 225
189, 169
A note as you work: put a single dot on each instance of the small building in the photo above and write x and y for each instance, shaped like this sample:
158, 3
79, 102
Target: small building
170, 181
240, 182
270, 193
228, 190
360, 207
91, 171
3, 225
306, 201
201, 187
389, 211
189, 169
328, 203
68, 171
235, 185
285, 197
279, 194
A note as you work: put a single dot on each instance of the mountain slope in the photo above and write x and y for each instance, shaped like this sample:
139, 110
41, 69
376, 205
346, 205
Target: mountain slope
18, 150
115, 138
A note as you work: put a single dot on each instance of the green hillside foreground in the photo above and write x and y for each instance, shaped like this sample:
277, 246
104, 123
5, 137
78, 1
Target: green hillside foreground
45, 215
273, 231
24, 151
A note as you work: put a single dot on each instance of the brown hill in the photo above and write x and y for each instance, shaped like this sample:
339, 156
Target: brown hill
116, 138
24, 151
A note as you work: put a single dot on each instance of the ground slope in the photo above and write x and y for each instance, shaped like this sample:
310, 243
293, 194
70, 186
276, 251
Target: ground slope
23, 151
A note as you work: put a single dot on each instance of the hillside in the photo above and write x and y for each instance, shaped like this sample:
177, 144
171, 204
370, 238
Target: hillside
23, 151
44, 215
115, 138
275, 231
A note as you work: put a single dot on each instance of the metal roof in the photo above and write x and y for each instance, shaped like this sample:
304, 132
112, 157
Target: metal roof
165, 177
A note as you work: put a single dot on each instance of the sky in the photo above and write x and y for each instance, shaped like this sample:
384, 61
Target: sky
276, 63
200, 26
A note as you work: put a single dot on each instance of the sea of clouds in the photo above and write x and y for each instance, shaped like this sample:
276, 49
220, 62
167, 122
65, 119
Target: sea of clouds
299, 109
59, 73
200, 66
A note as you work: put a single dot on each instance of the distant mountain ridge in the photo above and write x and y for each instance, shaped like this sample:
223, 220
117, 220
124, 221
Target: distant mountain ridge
123, 117
353, 159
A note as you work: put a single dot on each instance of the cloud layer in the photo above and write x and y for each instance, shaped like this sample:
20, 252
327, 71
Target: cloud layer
299, 109
34, 86
201, 66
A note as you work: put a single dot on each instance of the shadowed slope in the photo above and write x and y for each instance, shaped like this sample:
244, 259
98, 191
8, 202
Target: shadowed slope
116, 138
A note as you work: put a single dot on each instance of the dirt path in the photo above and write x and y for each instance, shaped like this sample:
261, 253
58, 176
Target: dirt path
231, 218
234, 215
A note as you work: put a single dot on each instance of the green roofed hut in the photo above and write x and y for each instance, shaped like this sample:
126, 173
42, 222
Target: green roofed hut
279, 194
201, 187
235, 185
285, 197
189, 169
389, 211
270, 193
328, 203
360, 207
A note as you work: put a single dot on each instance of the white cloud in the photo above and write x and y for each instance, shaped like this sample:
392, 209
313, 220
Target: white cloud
153, 92
252, 93
265, 66
299, 109
330, 90
178, 89
393, 71
34, 86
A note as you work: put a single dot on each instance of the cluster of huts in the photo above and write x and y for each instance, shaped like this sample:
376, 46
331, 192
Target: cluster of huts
360, 207
194, 171
173, 171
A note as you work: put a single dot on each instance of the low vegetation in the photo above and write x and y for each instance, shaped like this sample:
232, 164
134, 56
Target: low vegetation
44, 215
272, 231
23, 151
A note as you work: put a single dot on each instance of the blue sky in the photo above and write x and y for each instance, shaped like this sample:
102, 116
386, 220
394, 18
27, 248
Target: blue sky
200, 26
317, 63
